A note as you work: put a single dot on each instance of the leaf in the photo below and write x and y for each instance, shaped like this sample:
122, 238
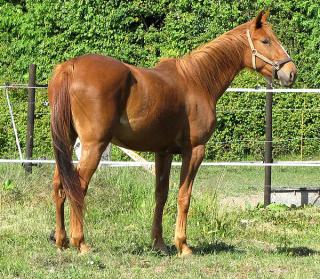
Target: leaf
278, 207
7, 185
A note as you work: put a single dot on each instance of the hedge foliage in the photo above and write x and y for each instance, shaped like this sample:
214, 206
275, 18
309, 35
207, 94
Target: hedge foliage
47, 32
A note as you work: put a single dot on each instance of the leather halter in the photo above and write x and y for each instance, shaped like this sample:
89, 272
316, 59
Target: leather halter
276, 65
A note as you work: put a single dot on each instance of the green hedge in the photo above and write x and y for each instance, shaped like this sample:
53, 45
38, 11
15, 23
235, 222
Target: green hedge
47, 32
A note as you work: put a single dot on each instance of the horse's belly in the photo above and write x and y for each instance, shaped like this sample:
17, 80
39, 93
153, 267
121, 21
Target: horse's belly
147, 135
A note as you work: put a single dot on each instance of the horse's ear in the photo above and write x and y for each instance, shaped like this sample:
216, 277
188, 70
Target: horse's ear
261, 17
265, 16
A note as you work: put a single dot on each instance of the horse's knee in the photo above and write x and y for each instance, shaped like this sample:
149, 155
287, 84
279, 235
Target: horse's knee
58, 191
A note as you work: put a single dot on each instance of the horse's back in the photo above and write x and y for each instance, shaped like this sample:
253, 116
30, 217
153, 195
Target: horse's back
91, 72
102, 72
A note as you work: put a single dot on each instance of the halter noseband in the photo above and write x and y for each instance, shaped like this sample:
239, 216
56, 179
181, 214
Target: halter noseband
276, 65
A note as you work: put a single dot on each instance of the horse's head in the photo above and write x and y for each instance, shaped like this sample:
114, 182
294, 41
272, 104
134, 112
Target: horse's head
266, 54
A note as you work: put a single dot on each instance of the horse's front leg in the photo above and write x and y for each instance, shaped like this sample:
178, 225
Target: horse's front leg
163, 165
191, 160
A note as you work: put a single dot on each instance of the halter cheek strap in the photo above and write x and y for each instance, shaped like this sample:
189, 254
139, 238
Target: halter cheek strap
276, 65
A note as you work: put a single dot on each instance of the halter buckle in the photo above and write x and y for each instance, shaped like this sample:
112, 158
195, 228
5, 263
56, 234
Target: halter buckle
276, 65
254, 51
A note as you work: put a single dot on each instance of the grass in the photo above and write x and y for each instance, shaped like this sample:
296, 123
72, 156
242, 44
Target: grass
227, 242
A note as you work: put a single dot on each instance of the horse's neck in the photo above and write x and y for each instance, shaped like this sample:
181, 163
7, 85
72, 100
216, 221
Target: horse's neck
213, 66
222, 75
225, 81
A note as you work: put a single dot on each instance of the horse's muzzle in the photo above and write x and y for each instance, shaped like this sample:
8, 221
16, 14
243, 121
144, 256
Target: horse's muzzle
287, 78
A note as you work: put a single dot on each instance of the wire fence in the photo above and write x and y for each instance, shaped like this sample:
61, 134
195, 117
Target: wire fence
16, 103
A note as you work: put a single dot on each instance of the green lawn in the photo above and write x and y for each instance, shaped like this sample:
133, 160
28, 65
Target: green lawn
227, 242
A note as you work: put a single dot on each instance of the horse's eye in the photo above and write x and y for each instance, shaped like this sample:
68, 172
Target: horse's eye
266, 41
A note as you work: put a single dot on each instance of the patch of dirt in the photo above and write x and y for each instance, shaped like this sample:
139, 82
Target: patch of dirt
278, 271
242, 201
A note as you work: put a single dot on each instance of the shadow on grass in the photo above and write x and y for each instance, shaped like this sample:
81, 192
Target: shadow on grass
297, 251
202, 249
214, 248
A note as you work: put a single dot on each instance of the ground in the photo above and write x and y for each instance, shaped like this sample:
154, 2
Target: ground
232, 236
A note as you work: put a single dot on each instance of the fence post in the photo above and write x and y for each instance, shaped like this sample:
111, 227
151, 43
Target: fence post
31, 109
268, 147
109, 151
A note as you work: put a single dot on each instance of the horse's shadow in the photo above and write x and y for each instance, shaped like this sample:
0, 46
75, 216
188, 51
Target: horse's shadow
222, 247
203, 249
215, 248
300, 251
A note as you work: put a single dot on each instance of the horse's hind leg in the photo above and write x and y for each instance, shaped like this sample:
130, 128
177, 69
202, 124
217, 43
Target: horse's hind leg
163, 165
90, 158
59, 197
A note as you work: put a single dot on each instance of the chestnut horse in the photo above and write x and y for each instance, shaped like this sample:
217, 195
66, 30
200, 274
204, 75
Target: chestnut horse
169, 109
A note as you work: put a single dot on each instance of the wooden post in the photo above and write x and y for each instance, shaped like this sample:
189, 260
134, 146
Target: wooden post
268, 147
31, 109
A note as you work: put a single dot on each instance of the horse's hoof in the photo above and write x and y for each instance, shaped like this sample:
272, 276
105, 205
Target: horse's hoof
185, 252
84, 249
64, 244
161, 248
61, 243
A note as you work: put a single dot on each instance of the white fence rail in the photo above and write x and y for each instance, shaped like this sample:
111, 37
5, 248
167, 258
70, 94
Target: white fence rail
231, 89
151, 164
